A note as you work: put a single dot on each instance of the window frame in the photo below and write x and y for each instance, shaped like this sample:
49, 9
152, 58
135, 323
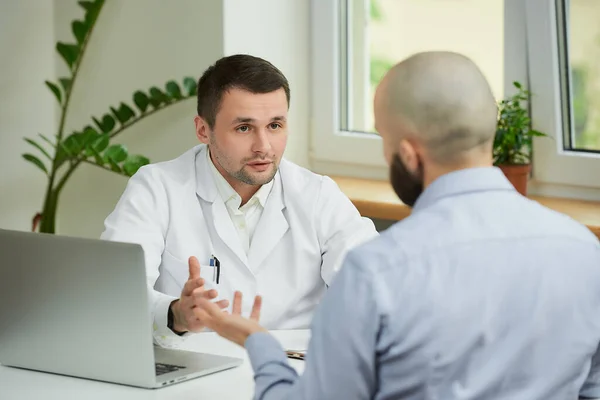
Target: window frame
551, 162
530, 46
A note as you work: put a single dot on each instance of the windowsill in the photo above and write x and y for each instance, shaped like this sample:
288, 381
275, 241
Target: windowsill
376, 199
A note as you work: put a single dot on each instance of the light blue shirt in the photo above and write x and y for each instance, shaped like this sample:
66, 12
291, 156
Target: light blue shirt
479, 294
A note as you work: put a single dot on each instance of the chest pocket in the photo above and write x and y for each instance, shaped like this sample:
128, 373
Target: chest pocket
178, 269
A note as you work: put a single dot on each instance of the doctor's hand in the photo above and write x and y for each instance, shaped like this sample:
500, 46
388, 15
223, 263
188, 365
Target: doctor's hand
184, 319
232, 326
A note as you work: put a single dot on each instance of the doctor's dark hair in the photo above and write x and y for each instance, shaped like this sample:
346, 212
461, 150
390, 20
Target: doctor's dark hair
240, 71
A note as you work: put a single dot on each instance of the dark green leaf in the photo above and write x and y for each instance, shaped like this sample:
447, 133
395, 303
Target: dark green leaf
116, 152
101, 143
173, 90
39, 147
88, 138
87, 5
69, 53
92, 10
517, 85
133, 163
190, 86
55, 90
141, 100
98, 158
36, 161
114, 166
80, 29
72, 144
66, 84
107, 124
124, 113
157, 97
48, 140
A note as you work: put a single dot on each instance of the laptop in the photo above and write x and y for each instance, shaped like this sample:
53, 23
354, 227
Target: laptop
79, 307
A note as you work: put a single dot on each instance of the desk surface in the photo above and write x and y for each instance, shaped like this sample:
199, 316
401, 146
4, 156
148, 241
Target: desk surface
236, 383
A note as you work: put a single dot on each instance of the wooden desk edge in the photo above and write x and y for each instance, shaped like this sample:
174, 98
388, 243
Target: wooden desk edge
396, 211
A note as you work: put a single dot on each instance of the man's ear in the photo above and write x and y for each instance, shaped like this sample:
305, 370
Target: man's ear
408, 154
202, 129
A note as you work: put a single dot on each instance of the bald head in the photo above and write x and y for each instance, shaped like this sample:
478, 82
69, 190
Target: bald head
439, 99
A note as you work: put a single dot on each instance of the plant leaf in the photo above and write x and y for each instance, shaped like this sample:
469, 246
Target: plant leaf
517, 85
72, 144
133, 163
141, 100
55, 90
39, 147
80, 29
124, 113
537, 133
36, 161
92, 9
87, 5
173, 90
48, 141
157, 97
114, 166
66, 84
69, 52
116, 152
190, 86
88, 138
101, 143
107, 124
98, 158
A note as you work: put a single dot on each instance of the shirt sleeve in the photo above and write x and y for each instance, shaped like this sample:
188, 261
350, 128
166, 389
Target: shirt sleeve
137, 218
591, 386
340, 227
341, 357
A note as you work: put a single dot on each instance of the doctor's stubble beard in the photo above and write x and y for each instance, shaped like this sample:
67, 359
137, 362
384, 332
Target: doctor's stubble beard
407, 185
242, 175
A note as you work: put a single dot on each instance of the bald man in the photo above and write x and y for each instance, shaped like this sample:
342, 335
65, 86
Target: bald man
479, 294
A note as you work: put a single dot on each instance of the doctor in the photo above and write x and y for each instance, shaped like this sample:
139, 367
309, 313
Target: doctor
232, 214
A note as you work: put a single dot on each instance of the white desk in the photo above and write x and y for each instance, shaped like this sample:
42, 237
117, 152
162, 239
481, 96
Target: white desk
235, 384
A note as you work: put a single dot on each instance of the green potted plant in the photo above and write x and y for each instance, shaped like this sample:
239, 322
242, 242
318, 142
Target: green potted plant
60, 154
514, 138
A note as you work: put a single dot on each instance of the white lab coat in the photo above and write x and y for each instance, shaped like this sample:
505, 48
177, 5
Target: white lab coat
173, 209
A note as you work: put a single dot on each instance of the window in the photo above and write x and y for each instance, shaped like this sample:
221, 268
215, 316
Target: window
375, 35
564, 50
356, 41
579, 60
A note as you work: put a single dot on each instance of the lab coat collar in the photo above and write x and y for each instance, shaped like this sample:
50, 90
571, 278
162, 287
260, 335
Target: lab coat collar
271, 226
463, 181
205, 183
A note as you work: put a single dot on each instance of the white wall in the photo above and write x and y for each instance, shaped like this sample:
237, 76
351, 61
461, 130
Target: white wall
26, 106
278, 31
136, 44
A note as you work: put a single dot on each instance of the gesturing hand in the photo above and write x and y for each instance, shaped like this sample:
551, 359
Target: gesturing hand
232, 326
193, 292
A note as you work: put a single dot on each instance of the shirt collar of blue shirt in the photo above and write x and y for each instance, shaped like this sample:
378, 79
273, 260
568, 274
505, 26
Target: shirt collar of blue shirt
480, 179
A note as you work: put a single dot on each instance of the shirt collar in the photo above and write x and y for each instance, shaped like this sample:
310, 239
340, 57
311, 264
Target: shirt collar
229, 195
463, 181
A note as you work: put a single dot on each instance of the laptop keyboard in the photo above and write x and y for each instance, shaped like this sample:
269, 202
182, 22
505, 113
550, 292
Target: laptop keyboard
166, 368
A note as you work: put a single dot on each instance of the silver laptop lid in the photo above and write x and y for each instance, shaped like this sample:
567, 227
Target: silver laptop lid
75, 306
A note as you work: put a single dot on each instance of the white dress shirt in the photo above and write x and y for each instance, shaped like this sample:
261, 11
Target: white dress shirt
246, 217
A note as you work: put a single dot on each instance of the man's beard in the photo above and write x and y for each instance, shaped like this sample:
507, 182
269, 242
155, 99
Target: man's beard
243, 176
407, 186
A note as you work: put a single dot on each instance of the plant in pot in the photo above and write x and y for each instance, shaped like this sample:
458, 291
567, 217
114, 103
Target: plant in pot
514, 138
63, 152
